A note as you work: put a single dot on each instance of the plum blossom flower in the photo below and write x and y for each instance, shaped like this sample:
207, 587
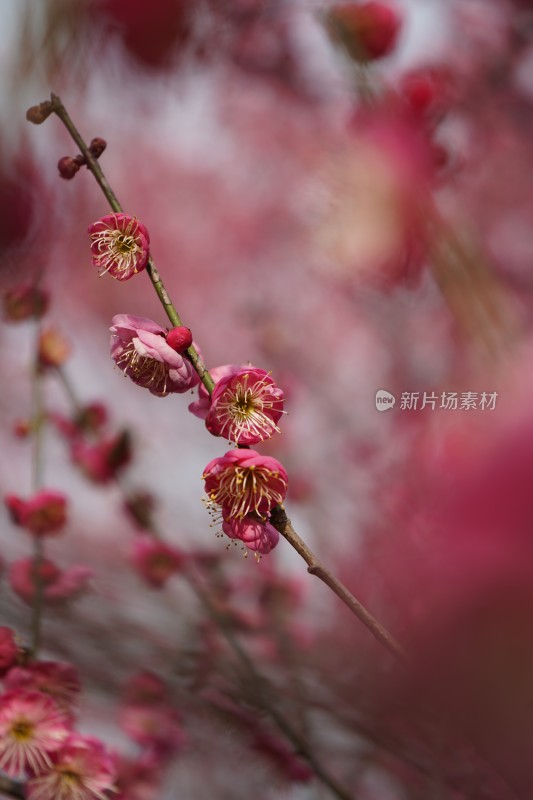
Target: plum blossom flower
154, 726
56, 679
8, 649
155, 561
44, 513
259, 536
31, 728
244, 481
200, 408
245, 407
139, 348
119, 246
58, 585
81, 770
101, 461
145, 688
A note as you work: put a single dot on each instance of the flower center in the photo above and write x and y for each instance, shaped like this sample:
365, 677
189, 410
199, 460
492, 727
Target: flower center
124, 244
22, 730
247, 410
243, 490
117, 250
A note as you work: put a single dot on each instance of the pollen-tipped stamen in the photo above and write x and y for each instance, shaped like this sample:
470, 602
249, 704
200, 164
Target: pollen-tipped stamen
244, 490
246, 410
144, 369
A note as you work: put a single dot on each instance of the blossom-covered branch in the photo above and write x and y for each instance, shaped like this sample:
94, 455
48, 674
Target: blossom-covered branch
248, 489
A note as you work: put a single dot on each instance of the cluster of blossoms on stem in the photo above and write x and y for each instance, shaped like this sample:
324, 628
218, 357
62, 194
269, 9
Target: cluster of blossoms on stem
38, 742
43, 514
246, 486
244, 407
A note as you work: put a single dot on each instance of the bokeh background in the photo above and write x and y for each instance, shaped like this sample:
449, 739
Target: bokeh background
352, 225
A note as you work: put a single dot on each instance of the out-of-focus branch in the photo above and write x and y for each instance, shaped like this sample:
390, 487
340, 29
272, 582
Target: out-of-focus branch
261, 693
37, 478
11, 788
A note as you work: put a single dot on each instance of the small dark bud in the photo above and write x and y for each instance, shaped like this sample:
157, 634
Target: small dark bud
140, 506
97, 146
38, 114
67, 167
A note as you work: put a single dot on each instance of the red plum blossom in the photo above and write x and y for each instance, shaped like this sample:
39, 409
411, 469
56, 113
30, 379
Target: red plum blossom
244, 481
245, 407
139, 348
119, 246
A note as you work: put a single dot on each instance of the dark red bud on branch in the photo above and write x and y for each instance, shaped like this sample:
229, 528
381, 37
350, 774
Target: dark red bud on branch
67, 167
179, 338
38, 114
97, 146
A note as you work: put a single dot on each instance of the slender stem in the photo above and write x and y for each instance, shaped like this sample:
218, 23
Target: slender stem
69, 389
37, 479
279, 519
283, 524
92, 164
59, 109
260, 682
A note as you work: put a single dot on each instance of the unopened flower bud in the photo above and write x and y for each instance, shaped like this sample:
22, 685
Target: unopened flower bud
38, 114
97, 146
67, 167
179, 339
140, 506
367, 30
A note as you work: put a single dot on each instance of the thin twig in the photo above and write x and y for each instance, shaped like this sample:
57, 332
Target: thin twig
283, 524
37, 479
92, 164
11, 788
260, 684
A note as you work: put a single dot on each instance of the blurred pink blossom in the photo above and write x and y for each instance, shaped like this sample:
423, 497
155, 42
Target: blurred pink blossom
81, 770
55, 678
43, 514
8, 649
155, 561
31, 728
58, 585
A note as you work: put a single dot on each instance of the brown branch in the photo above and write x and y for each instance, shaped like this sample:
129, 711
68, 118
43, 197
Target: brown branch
283, 524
